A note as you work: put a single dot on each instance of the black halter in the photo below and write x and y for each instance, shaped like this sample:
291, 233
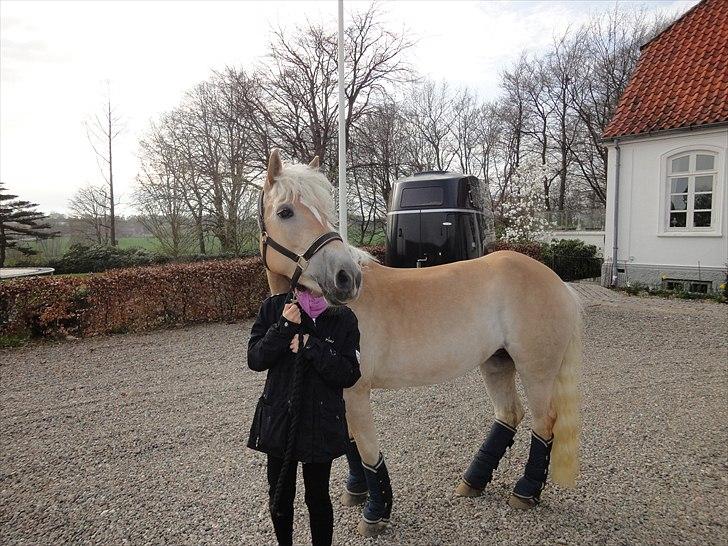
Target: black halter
300, 261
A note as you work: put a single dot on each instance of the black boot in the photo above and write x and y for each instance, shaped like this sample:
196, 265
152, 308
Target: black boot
379, 504
527, 492
356, 483
486, 460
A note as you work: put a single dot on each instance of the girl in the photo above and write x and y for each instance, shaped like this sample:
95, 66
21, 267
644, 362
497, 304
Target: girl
330, 364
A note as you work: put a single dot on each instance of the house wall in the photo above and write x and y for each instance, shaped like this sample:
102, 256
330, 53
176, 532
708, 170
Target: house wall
645, 252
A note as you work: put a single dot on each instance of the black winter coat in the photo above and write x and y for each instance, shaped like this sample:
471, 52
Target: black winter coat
331, 362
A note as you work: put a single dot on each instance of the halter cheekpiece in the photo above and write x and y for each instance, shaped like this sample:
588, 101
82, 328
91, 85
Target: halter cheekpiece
301, 261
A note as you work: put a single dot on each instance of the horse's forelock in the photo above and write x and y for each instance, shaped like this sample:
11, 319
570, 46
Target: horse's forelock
310, 186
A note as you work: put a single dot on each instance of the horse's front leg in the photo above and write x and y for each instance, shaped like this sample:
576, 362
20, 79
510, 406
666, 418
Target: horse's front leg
378, 507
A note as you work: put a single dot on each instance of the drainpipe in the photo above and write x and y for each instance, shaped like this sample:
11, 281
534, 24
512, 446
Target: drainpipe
615, 233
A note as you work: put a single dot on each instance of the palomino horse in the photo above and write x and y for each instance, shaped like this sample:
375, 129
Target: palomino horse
504, 313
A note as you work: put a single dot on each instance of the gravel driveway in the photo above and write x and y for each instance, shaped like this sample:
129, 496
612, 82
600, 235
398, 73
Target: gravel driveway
140, 439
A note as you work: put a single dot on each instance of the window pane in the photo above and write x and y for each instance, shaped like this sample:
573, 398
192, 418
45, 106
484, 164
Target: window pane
679, 185
703, 201
701, 219
703, 183
681, 164
679, 202
704, 162
421, 197
678, 219
699, 287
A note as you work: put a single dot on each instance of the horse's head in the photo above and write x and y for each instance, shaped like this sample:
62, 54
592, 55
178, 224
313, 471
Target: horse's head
297, 209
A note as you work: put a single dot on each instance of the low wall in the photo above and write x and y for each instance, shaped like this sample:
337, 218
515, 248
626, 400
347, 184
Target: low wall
595, 238
654, 275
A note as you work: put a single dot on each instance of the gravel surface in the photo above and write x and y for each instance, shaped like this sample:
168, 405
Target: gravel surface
140, 439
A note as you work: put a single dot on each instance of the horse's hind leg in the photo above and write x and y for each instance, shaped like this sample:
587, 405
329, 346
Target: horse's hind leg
499, 374
539, 393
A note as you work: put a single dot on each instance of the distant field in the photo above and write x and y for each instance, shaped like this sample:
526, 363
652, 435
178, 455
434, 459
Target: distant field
52, 248
55, 248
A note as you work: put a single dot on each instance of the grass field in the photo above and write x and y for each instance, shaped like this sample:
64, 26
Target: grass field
56, 247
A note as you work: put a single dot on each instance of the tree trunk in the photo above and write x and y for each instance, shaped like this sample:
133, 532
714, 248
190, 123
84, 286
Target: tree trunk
3, 242
111, 182
562, 181
200, 234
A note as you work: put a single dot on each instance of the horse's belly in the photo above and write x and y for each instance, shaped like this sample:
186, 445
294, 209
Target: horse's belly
440, 360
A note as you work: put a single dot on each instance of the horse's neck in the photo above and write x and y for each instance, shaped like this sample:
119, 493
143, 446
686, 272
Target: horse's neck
374, 276
278, 284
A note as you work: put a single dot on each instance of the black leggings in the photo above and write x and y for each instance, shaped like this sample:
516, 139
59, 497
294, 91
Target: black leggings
320, 512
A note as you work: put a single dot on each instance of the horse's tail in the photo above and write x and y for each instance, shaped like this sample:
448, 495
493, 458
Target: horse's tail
567, 405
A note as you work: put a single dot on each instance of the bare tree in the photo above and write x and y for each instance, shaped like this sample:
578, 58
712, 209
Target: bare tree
159, 195
91, 211
610, 49
101, 131
429, 110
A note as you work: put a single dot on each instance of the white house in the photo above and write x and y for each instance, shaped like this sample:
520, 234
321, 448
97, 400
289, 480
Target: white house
667, 204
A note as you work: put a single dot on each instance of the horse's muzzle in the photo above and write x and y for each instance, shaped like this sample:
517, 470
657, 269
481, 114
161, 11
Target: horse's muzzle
343, 286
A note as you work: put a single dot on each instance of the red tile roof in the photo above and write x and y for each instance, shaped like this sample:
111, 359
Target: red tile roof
681, 79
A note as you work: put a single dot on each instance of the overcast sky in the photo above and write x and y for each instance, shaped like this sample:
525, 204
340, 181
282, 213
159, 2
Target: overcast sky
55, 58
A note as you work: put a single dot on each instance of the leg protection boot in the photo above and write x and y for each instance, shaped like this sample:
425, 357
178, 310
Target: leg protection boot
356, 483
486, 460
527, 492
378, 507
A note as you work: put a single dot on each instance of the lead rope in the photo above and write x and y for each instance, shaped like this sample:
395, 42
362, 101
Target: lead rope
294, 412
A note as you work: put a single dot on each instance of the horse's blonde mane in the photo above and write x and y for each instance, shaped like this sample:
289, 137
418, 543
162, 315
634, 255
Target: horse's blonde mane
314, 191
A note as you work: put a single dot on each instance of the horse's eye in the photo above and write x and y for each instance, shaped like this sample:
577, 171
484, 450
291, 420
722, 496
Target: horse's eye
285, 212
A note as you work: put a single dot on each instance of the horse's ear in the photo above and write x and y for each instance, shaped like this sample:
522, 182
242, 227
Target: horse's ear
275, 166
314, 162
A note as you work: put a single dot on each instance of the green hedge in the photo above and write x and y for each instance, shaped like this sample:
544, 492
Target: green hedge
571, 259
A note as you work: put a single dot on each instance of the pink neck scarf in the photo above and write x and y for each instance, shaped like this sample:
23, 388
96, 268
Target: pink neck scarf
312, 305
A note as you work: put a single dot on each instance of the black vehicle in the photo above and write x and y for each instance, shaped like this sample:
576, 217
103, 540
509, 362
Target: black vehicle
437, 217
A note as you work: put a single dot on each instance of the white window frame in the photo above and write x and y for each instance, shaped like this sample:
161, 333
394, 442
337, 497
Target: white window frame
714, 230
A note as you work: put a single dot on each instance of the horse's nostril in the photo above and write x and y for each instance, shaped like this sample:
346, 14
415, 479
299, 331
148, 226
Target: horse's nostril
343, 280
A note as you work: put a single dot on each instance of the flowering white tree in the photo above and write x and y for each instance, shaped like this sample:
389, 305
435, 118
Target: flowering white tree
522, 211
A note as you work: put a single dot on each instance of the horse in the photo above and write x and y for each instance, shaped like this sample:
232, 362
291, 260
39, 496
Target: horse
505, 313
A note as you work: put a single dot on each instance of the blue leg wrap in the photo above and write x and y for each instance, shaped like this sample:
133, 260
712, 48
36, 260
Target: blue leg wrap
486, 460
529, 487
379, 504
356, 483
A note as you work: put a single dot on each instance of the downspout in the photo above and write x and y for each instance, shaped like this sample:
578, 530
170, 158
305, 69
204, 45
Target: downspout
615, 233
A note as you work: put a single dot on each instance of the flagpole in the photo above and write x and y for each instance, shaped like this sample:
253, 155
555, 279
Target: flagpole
343, 221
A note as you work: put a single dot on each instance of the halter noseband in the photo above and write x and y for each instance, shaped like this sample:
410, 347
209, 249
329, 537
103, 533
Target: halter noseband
300, 261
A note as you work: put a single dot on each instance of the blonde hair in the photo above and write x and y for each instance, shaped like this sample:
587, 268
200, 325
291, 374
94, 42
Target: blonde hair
309, 185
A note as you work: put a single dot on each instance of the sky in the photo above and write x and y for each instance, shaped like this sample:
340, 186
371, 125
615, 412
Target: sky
57, 59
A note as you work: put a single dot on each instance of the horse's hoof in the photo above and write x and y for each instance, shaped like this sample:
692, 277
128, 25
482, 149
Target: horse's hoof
521, 503
353, 499
464, 490
371, 529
